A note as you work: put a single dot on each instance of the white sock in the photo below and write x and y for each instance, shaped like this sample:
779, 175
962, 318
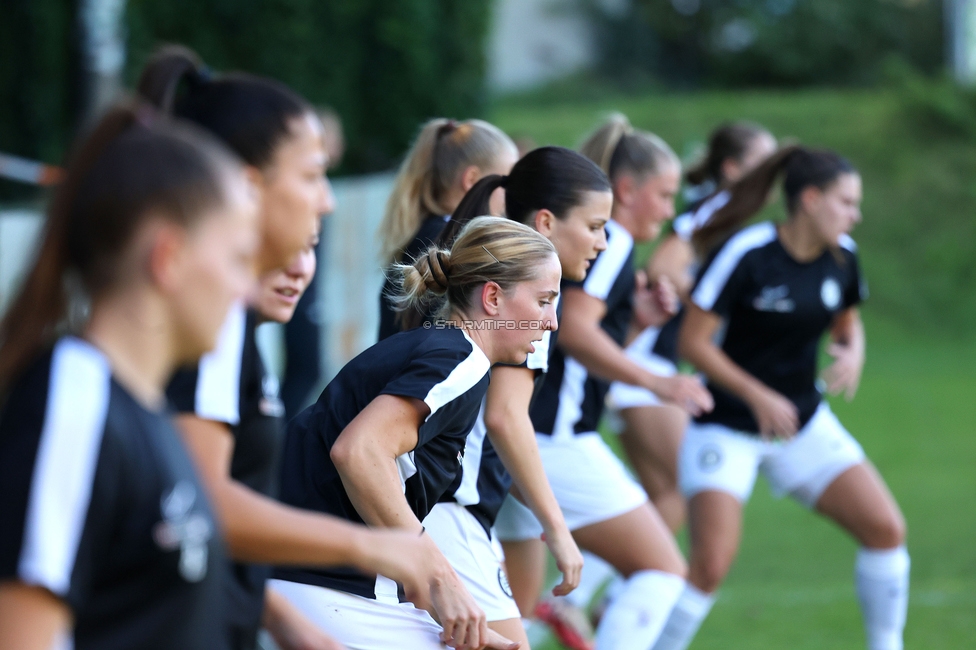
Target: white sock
881, 577
634, 619
595, 574
686, 617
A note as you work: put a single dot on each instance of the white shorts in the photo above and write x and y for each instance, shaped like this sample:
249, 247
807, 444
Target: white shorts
714, 457
589, 482
624, 396
476, 557
362, 623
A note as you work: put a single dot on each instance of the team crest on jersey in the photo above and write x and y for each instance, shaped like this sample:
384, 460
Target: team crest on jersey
271, 404
503, 583
184, 529
774, 299
830, 293
709, 458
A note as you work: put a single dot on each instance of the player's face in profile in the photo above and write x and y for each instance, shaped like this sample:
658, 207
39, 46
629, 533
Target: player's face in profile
580, 235
503, 167
280, 290
838, 209
654, 203
531, 309
215, 268
295, 194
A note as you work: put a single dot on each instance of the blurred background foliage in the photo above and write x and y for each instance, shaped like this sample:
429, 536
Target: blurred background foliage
690, 43
861, 76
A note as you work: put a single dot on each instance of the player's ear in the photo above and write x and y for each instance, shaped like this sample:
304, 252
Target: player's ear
491, 298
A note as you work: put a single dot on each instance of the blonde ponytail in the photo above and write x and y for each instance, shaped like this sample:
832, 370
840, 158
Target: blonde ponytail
488, 249
439, 154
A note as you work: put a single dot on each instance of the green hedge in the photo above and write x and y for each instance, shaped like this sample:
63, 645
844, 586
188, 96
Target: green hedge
384, 65
764, 42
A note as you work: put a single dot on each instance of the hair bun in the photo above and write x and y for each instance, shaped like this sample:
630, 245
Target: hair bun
438, 268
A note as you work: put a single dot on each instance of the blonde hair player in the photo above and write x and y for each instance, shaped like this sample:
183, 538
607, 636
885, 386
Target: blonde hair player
445, 161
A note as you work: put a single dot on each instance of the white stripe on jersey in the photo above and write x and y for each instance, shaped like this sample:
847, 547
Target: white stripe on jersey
218, 393
711, 284
845, 241
67, 456
571, 393
539, 359
686, 224
467, 492
464, 376
607, 266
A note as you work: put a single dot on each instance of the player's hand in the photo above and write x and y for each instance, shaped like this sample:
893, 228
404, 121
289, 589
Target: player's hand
568, 558
844, 374
685, 391
665, 296
776, 416
654, 302
403, 556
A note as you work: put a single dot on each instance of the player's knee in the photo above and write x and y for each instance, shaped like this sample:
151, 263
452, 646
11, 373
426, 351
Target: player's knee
707, 572
886, 532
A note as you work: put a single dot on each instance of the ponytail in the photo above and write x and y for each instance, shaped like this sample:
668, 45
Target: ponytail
442, 150
131, 164
474, 204
488, 249
802, 168
251, 114
747, 197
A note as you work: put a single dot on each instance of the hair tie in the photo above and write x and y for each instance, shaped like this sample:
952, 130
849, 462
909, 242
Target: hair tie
446, 128
438, 282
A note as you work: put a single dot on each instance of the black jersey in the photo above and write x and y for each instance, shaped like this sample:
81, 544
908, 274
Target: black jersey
571, 400
430, 229
775, 311
101, 506
441, 366
232, 386
484, 482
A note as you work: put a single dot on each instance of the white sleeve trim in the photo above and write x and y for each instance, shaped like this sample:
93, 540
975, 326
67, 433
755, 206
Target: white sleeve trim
845, 241
717, 276
64, 470
685, 225
464, 377
607, 266
218, 392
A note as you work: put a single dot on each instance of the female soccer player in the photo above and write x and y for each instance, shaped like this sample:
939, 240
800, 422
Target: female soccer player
386, 439
445, 161
107, 539
606, 510
775, 290
652, 431
566, 198
230, 419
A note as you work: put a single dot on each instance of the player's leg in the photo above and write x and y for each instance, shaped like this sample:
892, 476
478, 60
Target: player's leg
717, 470
640, 546
860, 502
651, 437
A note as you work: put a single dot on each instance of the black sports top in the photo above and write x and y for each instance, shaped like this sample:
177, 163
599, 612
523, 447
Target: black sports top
441, 366
571, 400
101, 506
232, 386
775, 310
